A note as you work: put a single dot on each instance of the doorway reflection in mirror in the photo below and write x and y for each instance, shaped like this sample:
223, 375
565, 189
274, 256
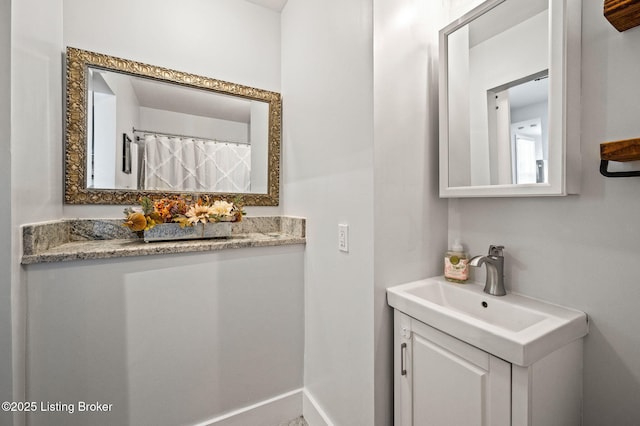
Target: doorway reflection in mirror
518, 139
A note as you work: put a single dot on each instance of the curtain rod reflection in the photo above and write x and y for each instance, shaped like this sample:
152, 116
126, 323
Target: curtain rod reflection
152, 132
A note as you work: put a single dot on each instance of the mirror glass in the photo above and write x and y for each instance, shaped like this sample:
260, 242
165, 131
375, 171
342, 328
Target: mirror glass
136, 129
175, 138
497, 69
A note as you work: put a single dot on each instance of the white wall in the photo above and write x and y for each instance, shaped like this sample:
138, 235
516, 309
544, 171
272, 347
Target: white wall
192, 125
582, 251
410, 220
327, 88
36, 149
224, 39
36, 131
166, 339
6, 346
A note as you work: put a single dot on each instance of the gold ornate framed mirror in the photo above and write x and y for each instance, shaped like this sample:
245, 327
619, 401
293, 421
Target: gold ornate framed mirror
134, 130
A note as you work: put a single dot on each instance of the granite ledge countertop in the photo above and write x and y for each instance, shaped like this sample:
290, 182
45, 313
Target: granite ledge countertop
80, 239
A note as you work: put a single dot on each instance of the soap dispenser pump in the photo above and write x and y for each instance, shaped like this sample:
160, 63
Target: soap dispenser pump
456, 268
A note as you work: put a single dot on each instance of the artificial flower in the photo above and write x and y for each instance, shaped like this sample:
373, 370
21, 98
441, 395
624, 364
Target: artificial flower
136, 221
221, 208
199, 213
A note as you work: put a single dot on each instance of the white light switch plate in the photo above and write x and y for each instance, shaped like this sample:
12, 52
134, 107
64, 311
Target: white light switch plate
343, 237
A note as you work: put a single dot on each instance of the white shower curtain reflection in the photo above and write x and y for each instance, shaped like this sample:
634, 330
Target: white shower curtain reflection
233, 167
186, 164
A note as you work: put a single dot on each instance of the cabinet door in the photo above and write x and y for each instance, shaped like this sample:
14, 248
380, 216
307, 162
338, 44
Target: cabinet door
449, 382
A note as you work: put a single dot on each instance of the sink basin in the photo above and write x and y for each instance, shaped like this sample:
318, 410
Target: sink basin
516, 328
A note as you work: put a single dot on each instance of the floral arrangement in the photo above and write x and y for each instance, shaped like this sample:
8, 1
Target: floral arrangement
180, 210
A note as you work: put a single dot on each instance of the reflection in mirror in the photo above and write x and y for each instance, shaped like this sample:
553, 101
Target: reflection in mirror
518, 139
189, 140
146, 130
497, 69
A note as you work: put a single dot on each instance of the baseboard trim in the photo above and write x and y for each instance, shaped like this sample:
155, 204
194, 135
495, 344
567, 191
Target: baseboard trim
312, 412
270, 412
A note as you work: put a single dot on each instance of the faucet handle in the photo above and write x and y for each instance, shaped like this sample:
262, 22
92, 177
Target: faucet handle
496, 250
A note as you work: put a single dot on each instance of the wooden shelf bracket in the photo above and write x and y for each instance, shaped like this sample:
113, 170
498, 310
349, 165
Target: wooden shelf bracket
621, 151
622, 14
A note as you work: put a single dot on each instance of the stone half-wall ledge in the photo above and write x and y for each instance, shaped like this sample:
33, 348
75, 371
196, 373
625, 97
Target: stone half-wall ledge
80, 239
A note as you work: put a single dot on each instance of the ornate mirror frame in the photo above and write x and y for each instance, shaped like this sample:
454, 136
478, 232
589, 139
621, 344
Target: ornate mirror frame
75, 182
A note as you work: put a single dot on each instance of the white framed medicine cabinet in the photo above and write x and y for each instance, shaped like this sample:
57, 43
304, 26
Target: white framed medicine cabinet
510, 100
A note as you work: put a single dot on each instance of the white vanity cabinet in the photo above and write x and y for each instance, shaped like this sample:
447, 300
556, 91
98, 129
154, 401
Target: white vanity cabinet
440, 380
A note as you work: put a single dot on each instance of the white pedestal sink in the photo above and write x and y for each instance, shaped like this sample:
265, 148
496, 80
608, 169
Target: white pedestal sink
518, 329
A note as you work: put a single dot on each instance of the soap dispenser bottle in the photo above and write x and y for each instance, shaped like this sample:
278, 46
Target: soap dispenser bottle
456, 268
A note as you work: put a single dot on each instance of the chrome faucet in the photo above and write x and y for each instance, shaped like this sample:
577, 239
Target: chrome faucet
495, 270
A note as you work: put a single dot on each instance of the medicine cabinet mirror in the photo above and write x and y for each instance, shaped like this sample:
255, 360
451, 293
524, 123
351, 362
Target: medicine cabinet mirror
134, 129
509, 100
